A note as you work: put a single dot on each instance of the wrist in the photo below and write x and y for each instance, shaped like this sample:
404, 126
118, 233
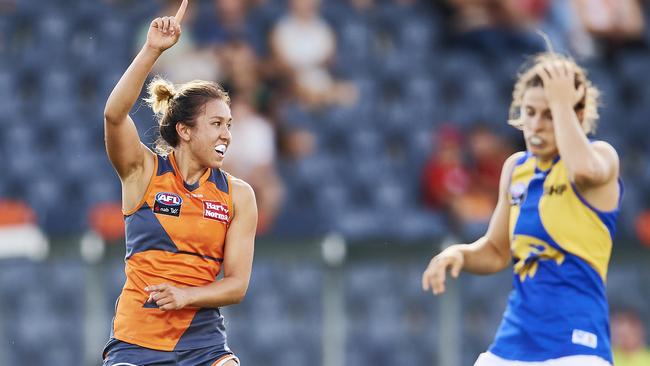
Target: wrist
151, 50
189, 295
559, 104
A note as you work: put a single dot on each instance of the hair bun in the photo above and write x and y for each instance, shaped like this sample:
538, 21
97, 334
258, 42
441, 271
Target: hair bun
161, 92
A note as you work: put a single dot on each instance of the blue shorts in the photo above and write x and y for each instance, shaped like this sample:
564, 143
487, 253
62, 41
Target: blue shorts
118, 353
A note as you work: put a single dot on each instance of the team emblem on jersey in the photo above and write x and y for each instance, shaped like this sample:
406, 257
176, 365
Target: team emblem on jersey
216, 211
517, 193
528, 251
167, 204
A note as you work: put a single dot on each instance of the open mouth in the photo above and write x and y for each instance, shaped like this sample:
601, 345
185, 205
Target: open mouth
221, 149
536, 141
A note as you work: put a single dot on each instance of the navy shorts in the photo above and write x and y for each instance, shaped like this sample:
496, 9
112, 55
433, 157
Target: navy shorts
118, 353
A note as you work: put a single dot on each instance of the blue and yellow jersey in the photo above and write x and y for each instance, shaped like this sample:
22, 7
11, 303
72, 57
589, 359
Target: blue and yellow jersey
561, 246
175, 236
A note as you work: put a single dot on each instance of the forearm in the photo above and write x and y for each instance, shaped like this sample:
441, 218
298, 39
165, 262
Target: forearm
127, 90
580, 158
483, 257
222, 292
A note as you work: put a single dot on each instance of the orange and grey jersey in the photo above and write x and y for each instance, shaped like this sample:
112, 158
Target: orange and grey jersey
176, 235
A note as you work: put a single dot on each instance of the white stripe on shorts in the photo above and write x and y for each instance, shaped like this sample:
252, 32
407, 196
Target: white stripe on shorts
490, 359
225, 359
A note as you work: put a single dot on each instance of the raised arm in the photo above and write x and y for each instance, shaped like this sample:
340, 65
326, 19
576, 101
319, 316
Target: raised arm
489, 254
588, 164
127, 154
237, 263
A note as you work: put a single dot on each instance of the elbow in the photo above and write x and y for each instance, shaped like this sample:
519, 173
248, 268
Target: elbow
238, 294
504, 261
113, 116
238, 298
585, 175
110, 118
503, 257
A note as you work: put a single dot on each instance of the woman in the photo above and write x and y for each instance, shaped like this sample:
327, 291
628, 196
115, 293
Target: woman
185, 218
555, 219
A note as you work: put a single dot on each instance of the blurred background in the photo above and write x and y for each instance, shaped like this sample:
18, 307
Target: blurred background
373, 132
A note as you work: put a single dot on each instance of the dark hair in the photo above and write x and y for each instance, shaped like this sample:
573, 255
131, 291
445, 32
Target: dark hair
173, 105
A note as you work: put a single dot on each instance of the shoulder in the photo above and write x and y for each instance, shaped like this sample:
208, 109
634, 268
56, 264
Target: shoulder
243, 199
509, 166
513, 160
242, 192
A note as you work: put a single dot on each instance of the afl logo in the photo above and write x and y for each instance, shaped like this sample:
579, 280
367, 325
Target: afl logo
518, 193
167, 204
169, 199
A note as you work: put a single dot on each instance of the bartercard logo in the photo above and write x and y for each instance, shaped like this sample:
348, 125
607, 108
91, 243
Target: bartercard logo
216, 211
167, 204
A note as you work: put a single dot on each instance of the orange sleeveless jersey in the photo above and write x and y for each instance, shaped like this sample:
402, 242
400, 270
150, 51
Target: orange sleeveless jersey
175, 236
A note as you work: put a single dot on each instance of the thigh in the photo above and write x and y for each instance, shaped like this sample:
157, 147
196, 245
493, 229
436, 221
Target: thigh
120, 353
210, 356
231, 360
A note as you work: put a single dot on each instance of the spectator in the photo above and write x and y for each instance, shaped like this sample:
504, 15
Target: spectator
629, 340
303, 45
228, 21
611, 20
642, 227
252, 158
497, 25
242, 74
467, 193
445, 176
187, 61
487, 151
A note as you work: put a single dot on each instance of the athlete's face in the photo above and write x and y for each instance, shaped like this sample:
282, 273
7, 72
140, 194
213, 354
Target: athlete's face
538, 127
211, 136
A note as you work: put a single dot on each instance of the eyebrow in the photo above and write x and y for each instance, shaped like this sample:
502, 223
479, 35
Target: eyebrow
533, 107
220, 118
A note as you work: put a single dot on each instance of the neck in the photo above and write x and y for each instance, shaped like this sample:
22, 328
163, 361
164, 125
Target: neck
545, 162
189, 169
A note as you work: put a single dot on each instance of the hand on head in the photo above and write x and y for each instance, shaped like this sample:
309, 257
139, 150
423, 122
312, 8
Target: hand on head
559, 78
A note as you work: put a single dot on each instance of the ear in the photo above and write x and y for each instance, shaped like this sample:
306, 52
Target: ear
184, 131
581, 115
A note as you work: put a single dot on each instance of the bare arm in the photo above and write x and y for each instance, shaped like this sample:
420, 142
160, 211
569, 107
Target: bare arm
487, 255
237, 263
123, 146
588, 165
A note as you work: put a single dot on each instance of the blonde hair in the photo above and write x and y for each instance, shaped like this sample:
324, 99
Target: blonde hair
173, 104
529, 78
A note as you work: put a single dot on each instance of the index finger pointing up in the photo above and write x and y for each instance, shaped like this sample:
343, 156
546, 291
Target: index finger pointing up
181, 12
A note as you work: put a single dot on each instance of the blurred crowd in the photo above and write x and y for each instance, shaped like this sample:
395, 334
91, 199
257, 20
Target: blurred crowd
376, 119
347, 111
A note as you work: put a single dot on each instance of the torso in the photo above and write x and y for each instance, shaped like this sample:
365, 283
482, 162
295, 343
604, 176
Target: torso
561, 245
175, 235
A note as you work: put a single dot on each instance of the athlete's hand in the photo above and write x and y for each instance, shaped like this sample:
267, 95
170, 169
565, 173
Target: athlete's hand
164, 32
167, 297
558, 77
434, 276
